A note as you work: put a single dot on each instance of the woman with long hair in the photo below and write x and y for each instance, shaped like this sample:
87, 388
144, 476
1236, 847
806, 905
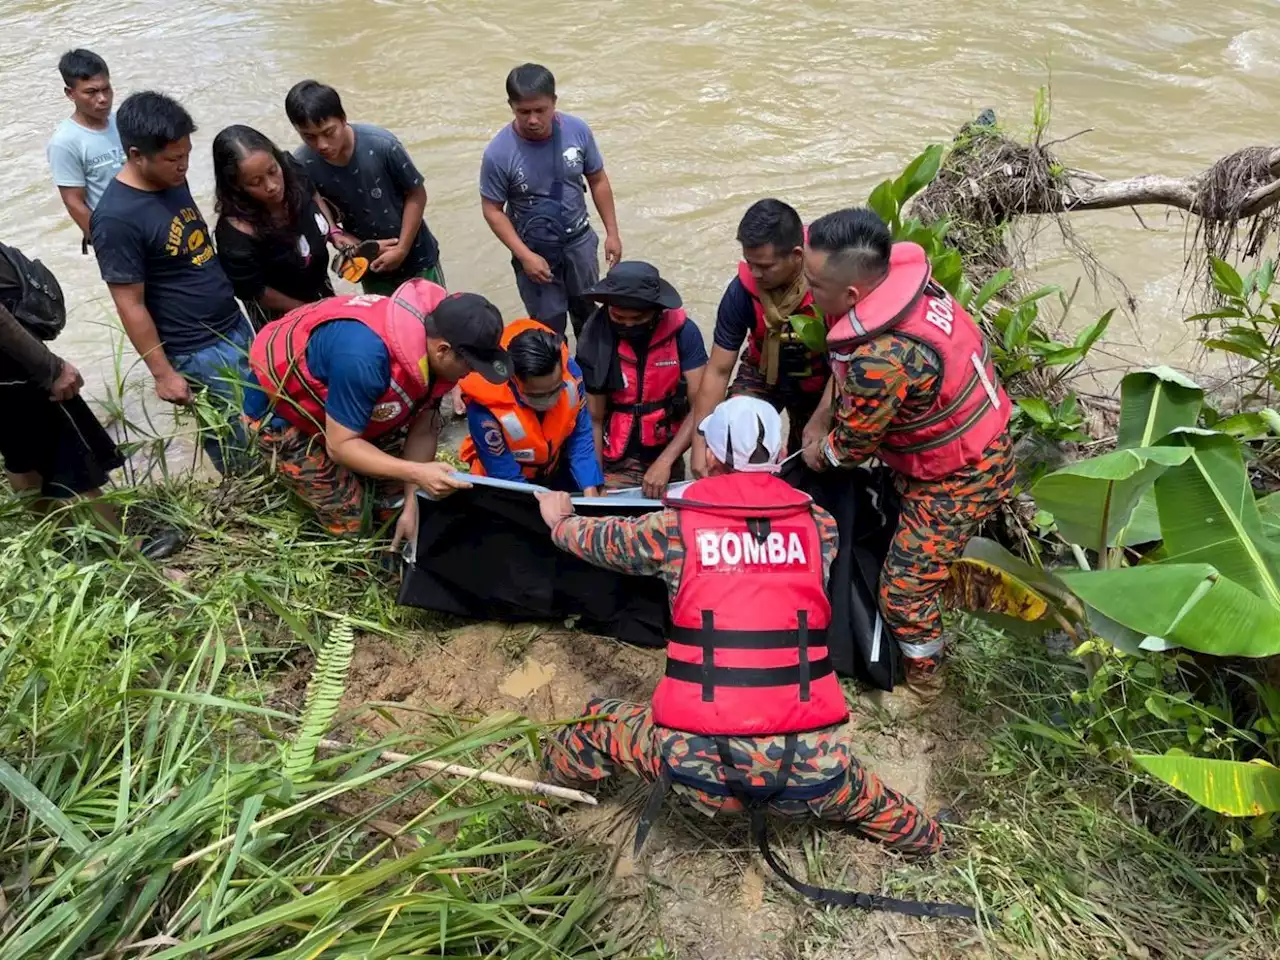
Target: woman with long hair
272, 227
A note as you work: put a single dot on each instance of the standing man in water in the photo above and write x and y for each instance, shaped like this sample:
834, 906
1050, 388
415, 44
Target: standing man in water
366, 174
84, 152
533, 182
757, 308
154, 252
914, 387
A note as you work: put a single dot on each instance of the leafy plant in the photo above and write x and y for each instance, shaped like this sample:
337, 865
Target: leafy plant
1247, 325
1212, 582
324, 695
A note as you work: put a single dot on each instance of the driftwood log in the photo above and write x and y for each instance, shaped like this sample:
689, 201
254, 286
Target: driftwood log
989, 182
1195, 194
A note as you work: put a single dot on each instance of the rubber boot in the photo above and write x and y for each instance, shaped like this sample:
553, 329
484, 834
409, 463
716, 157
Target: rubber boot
923, 686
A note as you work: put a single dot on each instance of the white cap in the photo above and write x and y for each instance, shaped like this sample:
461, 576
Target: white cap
738, 427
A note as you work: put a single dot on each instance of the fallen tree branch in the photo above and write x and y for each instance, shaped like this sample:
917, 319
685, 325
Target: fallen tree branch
499, 779
1086, 191
389, 756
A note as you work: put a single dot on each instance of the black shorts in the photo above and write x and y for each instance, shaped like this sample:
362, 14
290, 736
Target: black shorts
63, 442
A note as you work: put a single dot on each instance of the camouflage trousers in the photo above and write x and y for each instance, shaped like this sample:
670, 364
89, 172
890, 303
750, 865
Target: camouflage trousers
630, 471
798, 406
937, 520
345, 503
623, 736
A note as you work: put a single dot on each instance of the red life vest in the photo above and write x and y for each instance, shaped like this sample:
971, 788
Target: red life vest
278, 356
748, 655
650, 396
970, 410
535, 439
816, 380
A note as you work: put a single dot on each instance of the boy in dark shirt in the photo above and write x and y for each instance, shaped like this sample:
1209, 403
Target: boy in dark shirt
155, 253
367, 175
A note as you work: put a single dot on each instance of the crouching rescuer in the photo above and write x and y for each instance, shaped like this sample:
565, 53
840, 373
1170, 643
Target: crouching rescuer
750, 714
346, 410
913, 385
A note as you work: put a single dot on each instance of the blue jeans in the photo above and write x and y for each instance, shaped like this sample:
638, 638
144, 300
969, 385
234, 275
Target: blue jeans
222, 368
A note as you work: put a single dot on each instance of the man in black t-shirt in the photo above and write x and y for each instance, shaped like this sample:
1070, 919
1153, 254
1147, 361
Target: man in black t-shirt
366, 174
155, 253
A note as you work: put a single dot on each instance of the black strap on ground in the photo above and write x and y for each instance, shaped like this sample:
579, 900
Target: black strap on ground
652, 807
757, 800
850, 898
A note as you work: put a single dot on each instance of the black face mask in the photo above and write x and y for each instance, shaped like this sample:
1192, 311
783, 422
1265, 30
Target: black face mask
633, 332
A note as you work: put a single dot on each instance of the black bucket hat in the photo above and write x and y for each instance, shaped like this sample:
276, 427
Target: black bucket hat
635, 285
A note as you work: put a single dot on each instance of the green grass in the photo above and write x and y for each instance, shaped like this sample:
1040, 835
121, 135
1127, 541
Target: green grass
152, 803
1069, 852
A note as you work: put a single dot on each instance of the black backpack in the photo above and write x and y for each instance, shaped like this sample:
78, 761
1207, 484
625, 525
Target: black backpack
37, 301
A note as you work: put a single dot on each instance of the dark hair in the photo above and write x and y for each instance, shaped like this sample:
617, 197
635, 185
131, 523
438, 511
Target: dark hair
311, 102
856, 241
772, 223
759, 455
230, 147
150, 121
80, 64
534, 353
530, 80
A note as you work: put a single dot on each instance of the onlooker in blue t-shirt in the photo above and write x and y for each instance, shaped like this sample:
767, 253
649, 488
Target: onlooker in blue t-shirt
553, 248
155, 253
366, 174
84, 152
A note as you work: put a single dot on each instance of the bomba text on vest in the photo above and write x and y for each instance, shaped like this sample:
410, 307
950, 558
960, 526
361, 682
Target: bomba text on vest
729, 549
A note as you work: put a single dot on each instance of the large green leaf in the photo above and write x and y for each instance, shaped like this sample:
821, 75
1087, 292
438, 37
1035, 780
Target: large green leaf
1269, 511
1144, 522
919, 173
1208, 514
1098, 495
1226, 786
1191, 605
1153, 402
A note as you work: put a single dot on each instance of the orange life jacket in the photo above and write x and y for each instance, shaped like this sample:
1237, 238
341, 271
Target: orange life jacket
970, 409
748, 655
278, 355
535, 439
651, 396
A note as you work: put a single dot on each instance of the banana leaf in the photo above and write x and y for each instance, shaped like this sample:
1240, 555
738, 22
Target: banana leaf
1093, 500
1269, 511
1009, 593
1144, 522
1154, 402
1191, 605
1226, 786
1208, 514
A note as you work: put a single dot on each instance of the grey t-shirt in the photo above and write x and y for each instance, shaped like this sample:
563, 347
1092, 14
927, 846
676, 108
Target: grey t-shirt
369, 193
516, 171
80, 157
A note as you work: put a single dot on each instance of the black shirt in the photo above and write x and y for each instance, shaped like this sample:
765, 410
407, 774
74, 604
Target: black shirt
158, 238
368, 194
297, 268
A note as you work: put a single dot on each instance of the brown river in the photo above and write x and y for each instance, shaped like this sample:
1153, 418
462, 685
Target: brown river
699, 106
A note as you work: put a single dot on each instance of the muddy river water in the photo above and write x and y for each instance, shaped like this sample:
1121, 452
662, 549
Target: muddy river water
700, 107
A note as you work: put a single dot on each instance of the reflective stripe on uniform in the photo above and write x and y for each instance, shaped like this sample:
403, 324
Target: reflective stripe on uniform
512, 427
918, 651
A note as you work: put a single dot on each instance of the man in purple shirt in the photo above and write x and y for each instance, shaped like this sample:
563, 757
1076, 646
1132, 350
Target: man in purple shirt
533, 183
